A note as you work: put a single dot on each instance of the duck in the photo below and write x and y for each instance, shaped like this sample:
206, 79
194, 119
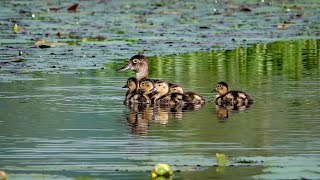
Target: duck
139, 64
165, 97
162, 97
147, 90
188, 97
144, 92
234, 99
132, 87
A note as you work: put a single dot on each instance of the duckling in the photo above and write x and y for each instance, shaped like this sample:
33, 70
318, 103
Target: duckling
225, 97
132, 85
139, 64
189, 97
146, 91
163, 95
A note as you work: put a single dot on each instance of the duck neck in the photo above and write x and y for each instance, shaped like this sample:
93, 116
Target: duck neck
161, 94
142, 74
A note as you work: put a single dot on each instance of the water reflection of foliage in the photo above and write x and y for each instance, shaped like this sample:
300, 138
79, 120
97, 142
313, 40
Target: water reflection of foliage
257, 61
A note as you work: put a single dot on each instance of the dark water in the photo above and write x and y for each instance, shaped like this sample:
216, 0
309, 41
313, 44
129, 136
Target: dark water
66, 125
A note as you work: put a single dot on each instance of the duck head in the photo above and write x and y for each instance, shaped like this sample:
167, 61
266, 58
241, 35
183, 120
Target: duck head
175, 88
139, 64
147, 86
162, 88
131, 84
221, 88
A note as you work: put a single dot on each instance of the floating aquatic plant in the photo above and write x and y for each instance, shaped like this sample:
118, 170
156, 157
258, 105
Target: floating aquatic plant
161, 170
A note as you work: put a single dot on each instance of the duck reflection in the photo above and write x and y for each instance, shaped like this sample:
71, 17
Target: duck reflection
139, 118
223, 111
141, 115
227, 101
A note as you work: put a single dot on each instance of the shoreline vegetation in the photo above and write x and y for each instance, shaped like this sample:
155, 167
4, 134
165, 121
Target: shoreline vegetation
44, 36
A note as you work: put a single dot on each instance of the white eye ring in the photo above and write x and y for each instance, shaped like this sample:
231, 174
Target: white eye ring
135, 60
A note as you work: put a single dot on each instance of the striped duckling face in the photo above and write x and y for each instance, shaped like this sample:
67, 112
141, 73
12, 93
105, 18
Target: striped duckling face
147, 86
162, 87
176, 89
131, 84
221, 88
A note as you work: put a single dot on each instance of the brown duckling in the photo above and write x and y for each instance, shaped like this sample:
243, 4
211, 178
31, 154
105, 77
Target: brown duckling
144, 92
163, 95
139, 64
132, 85
225, 97
189, 97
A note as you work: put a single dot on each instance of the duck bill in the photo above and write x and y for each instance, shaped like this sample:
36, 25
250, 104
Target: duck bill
125, 86
153, 90
214, 90
124, 68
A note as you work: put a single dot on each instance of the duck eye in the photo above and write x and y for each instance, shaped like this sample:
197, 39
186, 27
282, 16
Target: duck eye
135, 61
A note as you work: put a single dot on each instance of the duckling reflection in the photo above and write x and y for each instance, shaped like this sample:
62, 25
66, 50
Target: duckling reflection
222, 112
235, 100
161, 116
139, 118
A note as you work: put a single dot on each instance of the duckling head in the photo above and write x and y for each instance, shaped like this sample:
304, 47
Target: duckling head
137, 63
162, 87
221, 88
147, 86
131, 84
175, 88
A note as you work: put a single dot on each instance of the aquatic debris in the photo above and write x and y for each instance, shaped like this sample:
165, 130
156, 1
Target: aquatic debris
43, 44
3, 175
73, 8
15, 28
161, 170
244, 9
244, 161
222, 159
282, 26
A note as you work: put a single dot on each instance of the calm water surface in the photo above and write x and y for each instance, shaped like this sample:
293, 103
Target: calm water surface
62, 125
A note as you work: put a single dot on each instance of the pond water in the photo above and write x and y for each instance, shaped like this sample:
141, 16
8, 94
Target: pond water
66, 124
